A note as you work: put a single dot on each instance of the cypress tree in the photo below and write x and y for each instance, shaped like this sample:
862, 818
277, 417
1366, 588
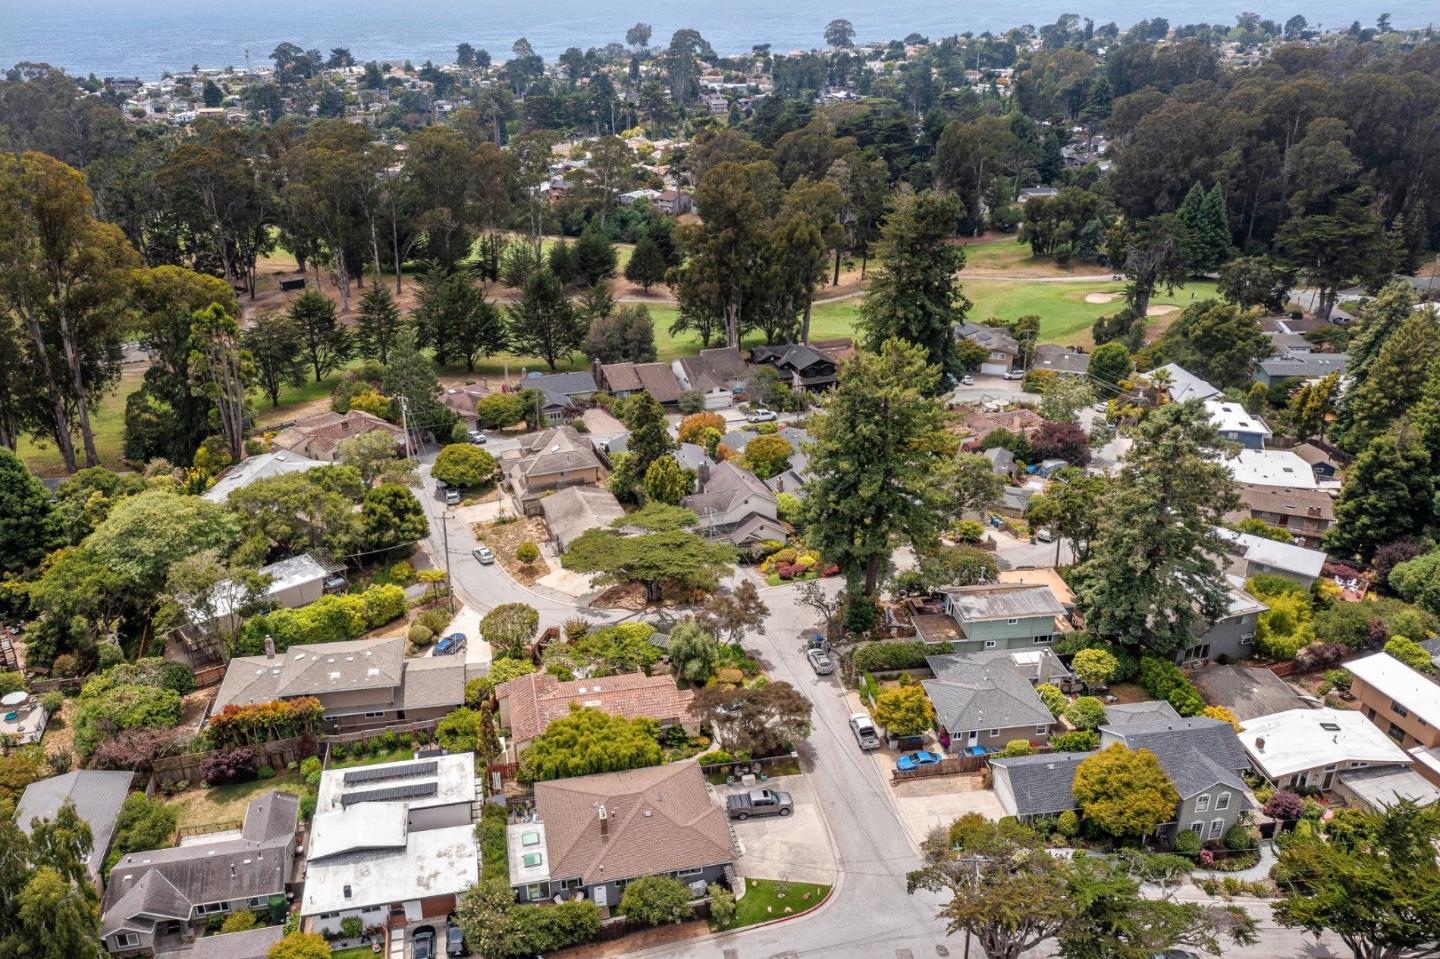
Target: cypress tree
1191, 233
1214, 229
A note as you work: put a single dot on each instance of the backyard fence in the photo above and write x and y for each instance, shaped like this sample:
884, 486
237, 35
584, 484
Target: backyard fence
188, 767
951, 766
329, 740
786, 764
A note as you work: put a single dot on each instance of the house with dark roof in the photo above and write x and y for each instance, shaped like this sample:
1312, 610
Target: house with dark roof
1300, 366
793, 478
528, 705
984, 700
1060, 359
160, 899
1325, 464
1303, 513
361, 684
250, 944
736, 506
591, 835
98, 795
462, 400
1182, 385
1001, 349
801, 367
716, 374
994, 616
548, 462
561, 393
1202, 757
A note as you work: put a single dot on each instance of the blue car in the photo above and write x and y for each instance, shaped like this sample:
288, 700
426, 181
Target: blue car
450, 644
915, 760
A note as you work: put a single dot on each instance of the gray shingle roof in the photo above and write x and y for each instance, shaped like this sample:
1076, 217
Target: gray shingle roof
1196, 753
97, 794
1125, 714
1041, 784
979, 693
554, 451
250, 944
570, 512
1305, 364
728, 485
1003, 601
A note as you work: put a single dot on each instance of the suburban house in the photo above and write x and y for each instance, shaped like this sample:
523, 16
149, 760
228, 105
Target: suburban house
1183, 385
318, 437
1002, 461
550, 461
1000, 347
561, 393
674, 202
254, 468
1252, 555
362, 683
528, 705
801, 367
97, 794
1060, 359
1232, 635
1303, 513
1400, 701
1204, 759
575, 509
993, 616
394, 842
160, 899
1300, 366
736, 506
1376, 790
976, 425
1311, 747
794, 477
1324, 464
1258, 467
250, 944
657, 379
592, 835
716, 374
1236, 425
1035, 787
461, 401
984, 700
1149, 711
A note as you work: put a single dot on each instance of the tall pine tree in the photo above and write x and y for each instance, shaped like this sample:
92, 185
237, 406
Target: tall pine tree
1389, 492
1396, 379
376, 323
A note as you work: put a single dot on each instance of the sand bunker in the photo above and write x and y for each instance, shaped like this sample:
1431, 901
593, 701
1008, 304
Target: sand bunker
1161, 309
1101, 297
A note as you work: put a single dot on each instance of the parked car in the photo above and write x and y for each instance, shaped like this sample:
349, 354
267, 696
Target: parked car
864, 729
455, 942
423, 943
820, 661
1014, 374
479, 438
1043, 535
760, 416
450, 645
484, 554
759, 802
452, 497
967, 380
916, 759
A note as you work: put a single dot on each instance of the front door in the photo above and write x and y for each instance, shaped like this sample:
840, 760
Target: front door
972, 738
601, 895
1329, 779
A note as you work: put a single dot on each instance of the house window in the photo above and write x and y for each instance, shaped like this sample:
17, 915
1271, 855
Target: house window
1198, 828
1247, 638
378, 715
1217, 826
126, 940
685, 873
533, 893
209, 908
994, 733
989, 644
1042, 640
1042, 730
1396, 732
1397, 709
1202, 803
1011, 622
1222, 801
256, 902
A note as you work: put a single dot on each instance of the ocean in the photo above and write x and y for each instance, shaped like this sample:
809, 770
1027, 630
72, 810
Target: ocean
147, 37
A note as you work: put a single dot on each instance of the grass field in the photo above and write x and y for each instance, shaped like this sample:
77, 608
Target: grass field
108, 422
214, 805
762, 901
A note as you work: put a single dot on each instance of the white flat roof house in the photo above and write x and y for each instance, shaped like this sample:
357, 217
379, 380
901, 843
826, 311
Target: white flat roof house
1310, 747
1271, 468
391, 839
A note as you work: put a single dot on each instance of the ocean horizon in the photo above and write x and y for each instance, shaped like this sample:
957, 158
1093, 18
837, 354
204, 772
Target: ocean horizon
146, 38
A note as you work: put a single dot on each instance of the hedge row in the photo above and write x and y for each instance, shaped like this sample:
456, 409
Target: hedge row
879, 657
1164, 680
327, 620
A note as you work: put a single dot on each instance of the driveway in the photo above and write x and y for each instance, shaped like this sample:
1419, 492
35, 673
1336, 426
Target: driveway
796, 848
926, 804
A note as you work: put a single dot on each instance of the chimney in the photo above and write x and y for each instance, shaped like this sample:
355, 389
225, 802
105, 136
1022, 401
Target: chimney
269, 647
1259, 744
604, 820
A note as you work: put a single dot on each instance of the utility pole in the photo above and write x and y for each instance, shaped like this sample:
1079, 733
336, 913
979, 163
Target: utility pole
449, 590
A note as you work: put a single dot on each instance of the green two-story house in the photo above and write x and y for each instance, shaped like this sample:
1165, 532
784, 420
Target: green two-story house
995, 616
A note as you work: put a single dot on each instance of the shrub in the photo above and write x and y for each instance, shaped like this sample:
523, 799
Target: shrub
238, 922
691, 402
1410, 653
265, 772
229, 766
1186, 700
722, 905
656, 901
500, 410
904, 710
541, 930
527, 553
1068, 825
1336, 679
459, 731
1187, 843
435, 620
352, 927
1239, 838
401, 573
902, 654
1054, 700
1085, 713
506, 668
1284, 804
968, 531
1018, 747
420, 635
715, 757
1222, 714
861, 614
1079, 741
52, 702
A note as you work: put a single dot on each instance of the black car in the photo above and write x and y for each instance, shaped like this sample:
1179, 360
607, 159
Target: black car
423, 943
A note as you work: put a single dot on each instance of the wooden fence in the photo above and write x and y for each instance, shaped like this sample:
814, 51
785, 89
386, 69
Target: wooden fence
946, 767
188, 767
750, 766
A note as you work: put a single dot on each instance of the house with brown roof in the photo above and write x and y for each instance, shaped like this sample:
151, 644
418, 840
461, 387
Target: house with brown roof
319, 437
800, 366
362, 683
462, 399
528, 705
1325, 464
716, 374
736, 506
549, 462
570, 512
1303, 513
976, 425
625, 379
160, 900
592, 835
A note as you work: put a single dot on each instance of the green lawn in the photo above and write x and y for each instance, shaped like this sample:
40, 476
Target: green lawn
762, 901
354, 952
108, 423
214, 805
1065, 317
398, 754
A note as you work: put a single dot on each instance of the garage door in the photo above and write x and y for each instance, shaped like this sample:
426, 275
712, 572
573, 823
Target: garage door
994, 369
437, 906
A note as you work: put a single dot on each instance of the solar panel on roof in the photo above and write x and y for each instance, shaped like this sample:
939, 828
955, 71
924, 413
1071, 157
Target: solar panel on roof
390, 794
376, 774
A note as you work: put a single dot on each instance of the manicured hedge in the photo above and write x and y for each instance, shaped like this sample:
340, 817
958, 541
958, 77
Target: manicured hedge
1164, 680
327, 620
879, 657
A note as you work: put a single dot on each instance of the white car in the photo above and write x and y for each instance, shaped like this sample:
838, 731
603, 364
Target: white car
478, 437
1043, 535
864, 729
760, 416
1014, 374
484, 554
967, 380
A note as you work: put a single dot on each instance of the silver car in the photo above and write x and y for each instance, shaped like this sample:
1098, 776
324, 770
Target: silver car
820, 661
484, 554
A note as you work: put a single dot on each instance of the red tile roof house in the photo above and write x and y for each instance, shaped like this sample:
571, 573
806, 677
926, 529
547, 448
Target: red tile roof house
528, 705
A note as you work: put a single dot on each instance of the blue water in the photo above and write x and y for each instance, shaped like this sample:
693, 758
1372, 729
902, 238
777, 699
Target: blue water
146, 37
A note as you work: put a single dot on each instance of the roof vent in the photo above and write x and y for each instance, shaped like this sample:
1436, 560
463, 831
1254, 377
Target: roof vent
1259, 744
347, 892
1330, 727
232, 870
